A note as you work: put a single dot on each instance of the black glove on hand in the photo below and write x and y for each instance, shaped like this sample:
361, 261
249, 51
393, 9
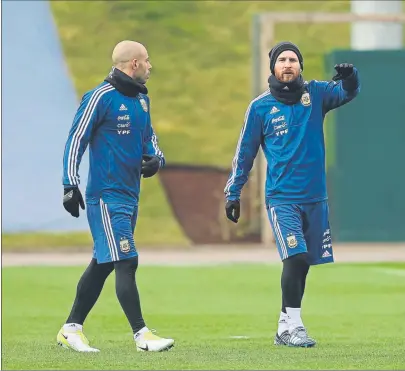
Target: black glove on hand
232, 209
71, 200
344, 70
150, 165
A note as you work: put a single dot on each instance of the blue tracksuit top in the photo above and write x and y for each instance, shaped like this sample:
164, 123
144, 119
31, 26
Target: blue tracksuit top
292, 139
118, 130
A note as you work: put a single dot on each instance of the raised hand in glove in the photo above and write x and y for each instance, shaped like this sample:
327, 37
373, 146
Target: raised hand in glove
232, 209
344, 70
150, 165
72, 198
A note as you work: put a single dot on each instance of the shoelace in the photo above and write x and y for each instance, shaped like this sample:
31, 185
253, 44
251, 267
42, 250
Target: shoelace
300, 332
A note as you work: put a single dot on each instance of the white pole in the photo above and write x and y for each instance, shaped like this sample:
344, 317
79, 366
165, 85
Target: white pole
376, 35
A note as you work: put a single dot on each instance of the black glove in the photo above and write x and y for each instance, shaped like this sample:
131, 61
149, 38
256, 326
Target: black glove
150, 165
232, 209
71, 200
344, 70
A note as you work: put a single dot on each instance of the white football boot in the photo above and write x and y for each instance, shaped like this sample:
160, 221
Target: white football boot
71, 336
147, 341
299, 338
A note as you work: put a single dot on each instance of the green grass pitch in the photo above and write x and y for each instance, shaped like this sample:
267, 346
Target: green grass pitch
355, 312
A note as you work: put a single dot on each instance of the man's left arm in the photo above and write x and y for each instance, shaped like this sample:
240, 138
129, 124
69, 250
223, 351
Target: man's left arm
153, 158
344, 86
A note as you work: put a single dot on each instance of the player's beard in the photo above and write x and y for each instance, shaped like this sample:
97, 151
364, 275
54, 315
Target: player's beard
142, 79
287, 76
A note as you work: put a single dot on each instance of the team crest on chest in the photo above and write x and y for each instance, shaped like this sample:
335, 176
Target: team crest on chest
144, 104
305, 99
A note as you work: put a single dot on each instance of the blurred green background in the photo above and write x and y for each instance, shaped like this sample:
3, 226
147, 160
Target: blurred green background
201, 83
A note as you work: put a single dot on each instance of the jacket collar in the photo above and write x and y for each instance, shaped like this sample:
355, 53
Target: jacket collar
124, 84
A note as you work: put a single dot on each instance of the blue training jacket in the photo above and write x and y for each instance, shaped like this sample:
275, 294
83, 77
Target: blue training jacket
118, 130
292, 139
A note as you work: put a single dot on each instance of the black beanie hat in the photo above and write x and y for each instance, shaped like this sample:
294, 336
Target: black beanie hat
282, 47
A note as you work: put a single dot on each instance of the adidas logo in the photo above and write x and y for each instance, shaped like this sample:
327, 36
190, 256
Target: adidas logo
68, 196
123, 108
326, 254
274, 110
286, 88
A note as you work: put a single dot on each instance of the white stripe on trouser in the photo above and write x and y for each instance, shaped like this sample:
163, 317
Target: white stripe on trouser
81, 129
105, 229
284, 253
109, 231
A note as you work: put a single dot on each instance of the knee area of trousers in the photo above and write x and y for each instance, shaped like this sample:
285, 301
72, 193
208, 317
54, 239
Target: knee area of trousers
127, 265
298, 260
103, 269
107, 268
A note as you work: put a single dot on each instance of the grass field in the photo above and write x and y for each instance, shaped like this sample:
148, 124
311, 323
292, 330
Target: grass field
355, 312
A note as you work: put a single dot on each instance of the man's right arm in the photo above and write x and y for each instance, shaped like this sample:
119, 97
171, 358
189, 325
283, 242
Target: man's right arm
86, 118
246, 151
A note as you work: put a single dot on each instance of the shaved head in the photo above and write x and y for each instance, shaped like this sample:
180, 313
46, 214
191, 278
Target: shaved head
132, 58
127, 50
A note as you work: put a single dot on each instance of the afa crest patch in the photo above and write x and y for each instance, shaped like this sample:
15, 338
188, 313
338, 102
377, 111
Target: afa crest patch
144, 104
125, 245
305, 99
291, 241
